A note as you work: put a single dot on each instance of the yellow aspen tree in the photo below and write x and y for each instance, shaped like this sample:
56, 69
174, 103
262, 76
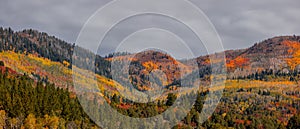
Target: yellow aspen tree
2, 119
30, 122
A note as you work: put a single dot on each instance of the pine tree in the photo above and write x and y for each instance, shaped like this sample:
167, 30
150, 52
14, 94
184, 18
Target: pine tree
294, 122
170, 99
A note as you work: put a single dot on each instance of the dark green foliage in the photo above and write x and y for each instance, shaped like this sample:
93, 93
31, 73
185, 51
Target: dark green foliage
1, 63
294, 122
270, 75
115, 99
21, 96
171, 99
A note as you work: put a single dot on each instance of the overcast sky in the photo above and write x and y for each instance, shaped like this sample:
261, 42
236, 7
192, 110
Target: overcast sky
240, 23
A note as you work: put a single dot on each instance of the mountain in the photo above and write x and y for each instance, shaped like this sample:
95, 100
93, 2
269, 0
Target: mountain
41, 44
261, 91
277, 54
47, 59
151, 64
274, 54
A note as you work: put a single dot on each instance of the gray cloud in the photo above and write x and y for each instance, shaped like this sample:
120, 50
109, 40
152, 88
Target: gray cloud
62, 18
239, 23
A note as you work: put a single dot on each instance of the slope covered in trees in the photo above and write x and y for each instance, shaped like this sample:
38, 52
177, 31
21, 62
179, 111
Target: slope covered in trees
43, 45
30, 104
262, 88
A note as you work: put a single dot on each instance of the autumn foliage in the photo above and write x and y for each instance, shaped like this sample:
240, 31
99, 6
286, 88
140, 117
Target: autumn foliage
39, 67
294, 50
149, 65
238, 62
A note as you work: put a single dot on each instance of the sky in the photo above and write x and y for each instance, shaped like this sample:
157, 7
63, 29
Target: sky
239, 23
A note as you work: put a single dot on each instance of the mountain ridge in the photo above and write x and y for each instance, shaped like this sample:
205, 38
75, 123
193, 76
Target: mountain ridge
253, 96
273, 53
41, 44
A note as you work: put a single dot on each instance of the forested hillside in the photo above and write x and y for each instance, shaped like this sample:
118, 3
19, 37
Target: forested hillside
43, 45
37, 90
30, 104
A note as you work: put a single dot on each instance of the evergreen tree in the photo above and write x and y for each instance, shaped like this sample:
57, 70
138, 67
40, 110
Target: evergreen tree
171, 99
294, 122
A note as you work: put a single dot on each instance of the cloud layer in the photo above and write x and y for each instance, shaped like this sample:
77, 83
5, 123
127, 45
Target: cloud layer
239, 23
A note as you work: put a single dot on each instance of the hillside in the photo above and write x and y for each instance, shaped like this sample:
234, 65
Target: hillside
42, 45
278, 54
27, 103
275, 53
261, 91
152, 64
